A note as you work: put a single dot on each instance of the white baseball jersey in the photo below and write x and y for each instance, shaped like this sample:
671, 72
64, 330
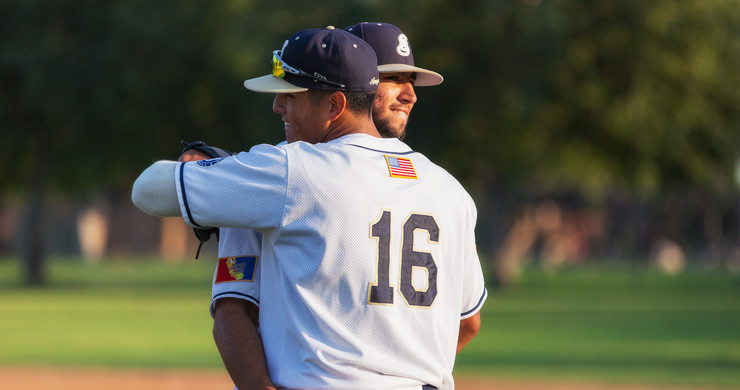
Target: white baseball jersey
368, 258
238, 267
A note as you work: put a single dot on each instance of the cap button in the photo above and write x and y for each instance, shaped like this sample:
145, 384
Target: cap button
330, 27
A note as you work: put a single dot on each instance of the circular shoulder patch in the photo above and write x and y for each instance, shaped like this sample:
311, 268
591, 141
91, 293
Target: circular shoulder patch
209, 162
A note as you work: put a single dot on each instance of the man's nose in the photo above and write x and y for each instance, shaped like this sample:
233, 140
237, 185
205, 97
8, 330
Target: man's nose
278, 105
407, 93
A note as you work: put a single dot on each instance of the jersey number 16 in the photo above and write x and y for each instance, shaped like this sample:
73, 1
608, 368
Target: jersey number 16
382, 292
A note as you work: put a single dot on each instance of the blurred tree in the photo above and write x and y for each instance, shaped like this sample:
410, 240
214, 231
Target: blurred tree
601, 97
91, 91
591, 95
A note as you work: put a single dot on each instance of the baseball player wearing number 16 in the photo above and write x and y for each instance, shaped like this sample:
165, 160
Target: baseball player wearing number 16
368, 253
394, 100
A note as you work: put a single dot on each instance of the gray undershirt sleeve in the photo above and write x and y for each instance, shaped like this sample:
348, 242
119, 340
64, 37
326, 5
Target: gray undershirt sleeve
154, 190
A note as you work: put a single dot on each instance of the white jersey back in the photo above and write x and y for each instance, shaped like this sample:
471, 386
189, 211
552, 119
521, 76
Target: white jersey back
368, 260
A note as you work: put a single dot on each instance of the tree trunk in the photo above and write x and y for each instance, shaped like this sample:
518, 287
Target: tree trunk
33, 246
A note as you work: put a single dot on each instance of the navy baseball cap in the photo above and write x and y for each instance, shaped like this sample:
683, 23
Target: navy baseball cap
320, 58
394, 51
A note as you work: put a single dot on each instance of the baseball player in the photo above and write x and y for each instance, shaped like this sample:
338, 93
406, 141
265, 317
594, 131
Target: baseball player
393, 103
394, 100
368, 251
398, 76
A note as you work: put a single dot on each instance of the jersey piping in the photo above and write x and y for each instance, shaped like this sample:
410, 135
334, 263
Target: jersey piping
478, 305
184, 195
257, 301
381, 151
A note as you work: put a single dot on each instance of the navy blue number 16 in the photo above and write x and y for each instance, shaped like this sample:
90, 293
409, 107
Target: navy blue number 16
382, 292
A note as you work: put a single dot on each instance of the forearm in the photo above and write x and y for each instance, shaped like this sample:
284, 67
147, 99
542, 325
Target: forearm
240, 344
469, 327
154, 190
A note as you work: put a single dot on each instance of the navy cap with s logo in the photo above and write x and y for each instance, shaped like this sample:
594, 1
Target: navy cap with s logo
393, 50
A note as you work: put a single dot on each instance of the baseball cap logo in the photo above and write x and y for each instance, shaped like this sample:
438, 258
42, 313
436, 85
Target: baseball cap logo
403, 47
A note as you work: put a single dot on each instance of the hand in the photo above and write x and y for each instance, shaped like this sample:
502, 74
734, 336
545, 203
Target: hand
195, 151
192, 155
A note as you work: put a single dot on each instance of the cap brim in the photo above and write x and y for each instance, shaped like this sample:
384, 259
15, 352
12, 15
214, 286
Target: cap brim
424, 77
271, 84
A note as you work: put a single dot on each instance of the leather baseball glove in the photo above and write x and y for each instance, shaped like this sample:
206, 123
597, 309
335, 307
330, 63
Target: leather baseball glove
198, 150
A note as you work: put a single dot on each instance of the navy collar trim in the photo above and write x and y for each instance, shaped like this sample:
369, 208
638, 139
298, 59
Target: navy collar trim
382, 151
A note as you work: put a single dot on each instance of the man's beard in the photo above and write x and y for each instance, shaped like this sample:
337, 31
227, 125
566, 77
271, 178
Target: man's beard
386, 130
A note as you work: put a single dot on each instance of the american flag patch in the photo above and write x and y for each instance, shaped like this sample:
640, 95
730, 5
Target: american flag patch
400, 167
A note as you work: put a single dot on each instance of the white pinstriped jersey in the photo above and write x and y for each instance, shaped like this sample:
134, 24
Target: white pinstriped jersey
368, 259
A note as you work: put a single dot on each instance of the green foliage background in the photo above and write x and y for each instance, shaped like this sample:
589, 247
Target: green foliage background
588, 95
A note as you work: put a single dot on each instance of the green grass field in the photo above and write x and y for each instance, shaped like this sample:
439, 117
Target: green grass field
628, 326
589, 324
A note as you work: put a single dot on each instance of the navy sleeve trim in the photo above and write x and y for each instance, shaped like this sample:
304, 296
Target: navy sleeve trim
478, 305
184, 196
231, 293
382, 151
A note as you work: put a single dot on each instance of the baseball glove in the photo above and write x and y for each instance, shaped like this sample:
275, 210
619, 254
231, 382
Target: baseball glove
204, 234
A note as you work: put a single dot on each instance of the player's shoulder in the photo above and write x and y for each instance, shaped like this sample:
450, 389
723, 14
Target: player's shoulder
269, 149
442, 178
263, 152
347, 145
367, 142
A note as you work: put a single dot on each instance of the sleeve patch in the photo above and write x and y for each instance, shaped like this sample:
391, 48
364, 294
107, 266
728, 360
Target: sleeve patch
236, 269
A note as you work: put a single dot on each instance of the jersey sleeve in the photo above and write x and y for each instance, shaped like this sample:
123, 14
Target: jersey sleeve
475, 293
247, 190
237, 273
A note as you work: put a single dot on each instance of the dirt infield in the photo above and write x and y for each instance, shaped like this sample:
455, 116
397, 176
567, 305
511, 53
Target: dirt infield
79, 379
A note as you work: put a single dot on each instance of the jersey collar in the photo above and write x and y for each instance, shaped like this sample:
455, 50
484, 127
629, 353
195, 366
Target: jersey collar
387, 145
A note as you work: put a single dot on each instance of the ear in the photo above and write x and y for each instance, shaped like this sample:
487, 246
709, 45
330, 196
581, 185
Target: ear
338, 104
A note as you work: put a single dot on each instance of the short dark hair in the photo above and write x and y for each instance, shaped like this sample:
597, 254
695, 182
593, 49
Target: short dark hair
357, 102
360, 102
